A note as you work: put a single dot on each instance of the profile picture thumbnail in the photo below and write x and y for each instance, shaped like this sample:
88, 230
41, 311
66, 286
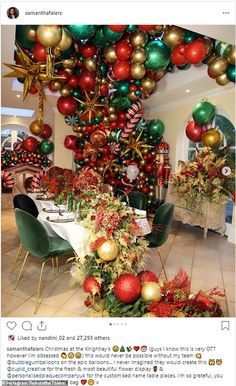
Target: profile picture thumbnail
13, 13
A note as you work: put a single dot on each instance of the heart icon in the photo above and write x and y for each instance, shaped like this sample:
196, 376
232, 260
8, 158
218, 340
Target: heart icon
83, 381
136, 348
11, 325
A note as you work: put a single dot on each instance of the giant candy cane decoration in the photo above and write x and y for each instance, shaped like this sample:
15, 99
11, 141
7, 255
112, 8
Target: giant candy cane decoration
36, 181
7, 179
133, 115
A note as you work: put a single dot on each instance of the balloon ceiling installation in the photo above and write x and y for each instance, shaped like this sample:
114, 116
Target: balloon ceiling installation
102, 74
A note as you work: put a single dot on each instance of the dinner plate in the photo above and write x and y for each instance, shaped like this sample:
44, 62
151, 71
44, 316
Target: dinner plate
57, 220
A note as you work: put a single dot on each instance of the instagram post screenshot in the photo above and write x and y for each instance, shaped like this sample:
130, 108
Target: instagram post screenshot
117, 193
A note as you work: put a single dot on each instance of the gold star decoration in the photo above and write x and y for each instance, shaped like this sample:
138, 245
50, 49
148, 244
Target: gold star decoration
108, 165
134, 145
91, 104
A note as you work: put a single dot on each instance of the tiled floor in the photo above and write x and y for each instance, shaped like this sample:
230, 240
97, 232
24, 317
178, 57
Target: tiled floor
208, 262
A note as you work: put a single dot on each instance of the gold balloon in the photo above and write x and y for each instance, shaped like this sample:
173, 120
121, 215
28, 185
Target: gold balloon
110, 54
30, 33
36, 127
49, 35
148, 84
65, 41
111, 109
157, 29
222, 80
218, 66
137, 71
139, 55
151, 292
69, 63
56, 53
148, 315
212, 138
173, 36
209, 44
108, 251
210, 58
55, 85
65, 91
113, 117
139, 39
133, 97
106, 121
231, 56
90, 64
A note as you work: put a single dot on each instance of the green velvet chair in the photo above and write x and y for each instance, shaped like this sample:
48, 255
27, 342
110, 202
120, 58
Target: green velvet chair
138, 200
160, 229
37, 242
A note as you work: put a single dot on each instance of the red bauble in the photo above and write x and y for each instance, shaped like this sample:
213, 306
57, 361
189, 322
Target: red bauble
67, 105
91, 286
30, 144
73, 81
146, 27
122, 69
177, 55
39, 52
123, 50
33, 90
104, 89
88, 50
211, 75
117, 28
122, 116
195, 52
87, 80
71, 142
145, 276
149, 167
64, 76
194, 131
47, 132
145, 189
127, 288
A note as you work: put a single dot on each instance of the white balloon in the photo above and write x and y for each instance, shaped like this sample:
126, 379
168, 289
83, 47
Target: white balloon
132, 172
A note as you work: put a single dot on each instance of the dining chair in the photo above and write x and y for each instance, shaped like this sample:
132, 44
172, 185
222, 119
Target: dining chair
160, 229
37, 242
23, 202
138, 200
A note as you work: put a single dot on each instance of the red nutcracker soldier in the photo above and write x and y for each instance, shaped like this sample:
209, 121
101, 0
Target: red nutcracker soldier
163, 169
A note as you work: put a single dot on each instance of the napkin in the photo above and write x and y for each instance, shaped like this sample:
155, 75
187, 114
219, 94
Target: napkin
63, 216
54, 207
140, 212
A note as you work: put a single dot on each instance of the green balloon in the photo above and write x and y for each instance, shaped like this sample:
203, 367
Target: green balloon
77, 93
111, 35
156, 129
231, 73
132, 28
189, 36
103, 69
46, 146
80, 31
158, 55
122, 87
23, 36
203, 113
99, 39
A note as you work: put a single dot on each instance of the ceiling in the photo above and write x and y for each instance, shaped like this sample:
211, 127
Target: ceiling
170, 89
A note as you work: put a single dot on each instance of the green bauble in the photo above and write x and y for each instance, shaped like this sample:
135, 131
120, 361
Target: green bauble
103, 69
76, 93
222, 48
156, 129
25, 35
122, 87
203, 113
189, 36
231, 73
79, 31
99, 39
158, 55
132, 28
170, 68
111, 35
21, 80
46, 146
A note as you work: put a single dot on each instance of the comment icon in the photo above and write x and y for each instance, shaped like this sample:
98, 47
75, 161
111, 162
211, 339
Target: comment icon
26, 325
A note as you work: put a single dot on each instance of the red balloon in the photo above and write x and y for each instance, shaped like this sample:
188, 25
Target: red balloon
117, 28
146, 27
70, 142
39, 52
195, 52
210, 74
127, 288
87, 80
177, 56
67, 105
88, 50
122, 69
194, 131
73, 81
47, 132
64, 74
30, 144
123, 50
149, 168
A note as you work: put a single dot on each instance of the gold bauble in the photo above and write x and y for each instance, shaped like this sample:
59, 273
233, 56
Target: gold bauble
142, 162
116, 170
145, 151
150, 194
137, 71
139, 55
36, 127
69, 71
56, 53
110, 54
108, 251
231, 56
55, 85
151, 187
113, 117
49, 35
139, 39
65, 91
212, 138
111, 109
76, 129
151, 292
110, 85
80, 135
210, 58
106, 120
173, 36
69, 63
100, 169
90, 64
98, 138
133, 97
222, 80
65, 41
99, 114
149, 315
30, 33
148, 84
218, 66
209, 44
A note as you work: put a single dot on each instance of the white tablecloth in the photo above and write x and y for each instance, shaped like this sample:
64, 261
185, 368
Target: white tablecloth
40, 203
